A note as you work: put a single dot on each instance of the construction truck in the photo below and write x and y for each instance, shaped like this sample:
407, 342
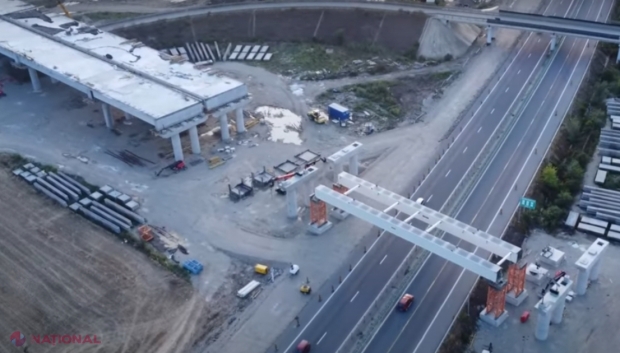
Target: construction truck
318, 116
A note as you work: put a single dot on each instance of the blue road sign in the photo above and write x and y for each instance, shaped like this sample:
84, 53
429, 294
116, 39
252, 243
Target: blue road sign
527, 203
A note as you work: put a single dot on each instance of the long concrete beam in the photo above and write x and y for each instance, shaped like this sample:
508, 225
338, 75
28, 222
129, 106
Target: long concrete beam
442, 248
431, 217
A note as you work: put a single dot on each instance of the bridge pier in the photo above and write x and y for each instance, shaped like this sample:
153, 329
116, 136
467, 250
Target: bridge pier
490, 35
553, 42
618, 56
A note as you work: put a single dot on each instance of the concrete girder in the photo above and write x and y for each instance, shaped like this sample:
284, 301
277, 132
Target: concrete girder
442, 248
429, 216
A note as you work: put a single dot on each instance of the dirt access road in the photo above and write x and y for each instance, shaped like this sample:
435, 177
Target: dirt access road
60, 274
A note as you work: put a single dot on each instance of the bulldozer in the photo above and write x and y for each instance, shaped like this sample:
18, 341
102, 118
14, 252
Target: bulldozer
318, 116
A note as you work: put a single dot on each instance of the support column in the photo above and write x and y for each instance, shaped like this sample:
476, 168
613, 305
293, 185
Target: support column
582, 282
595, 270
240, 121
107, 116
354, 165
558, 312
542, 326
291, 204
34, 78
177, 148
618, 57
224, 128
337, 170
553, 42
489, 35
193, 136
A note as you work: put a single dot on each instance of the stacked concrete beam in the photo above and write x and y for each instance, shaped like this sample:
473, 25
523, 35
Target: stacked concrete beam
100, 220
74, 182
124, 211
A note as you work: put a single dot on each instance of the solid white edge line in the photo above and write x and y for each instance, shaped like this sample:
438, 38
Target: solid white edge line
515, 209
354, 296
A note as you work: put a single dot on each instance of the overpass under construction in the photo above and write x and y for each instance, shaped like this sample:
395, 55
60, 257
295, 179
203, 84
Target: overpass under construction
171, 95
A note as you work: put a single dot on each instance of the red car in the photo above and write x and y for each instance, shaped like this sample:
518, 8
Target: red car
303, 347
405, 302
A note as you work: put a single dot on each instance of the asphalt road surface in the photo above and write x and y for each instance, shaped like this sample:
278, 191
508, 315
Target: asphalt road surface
441, 287
423, 328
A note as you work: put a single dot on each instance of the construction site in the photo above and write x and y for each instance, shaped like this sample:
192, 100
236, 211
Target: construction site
212, 164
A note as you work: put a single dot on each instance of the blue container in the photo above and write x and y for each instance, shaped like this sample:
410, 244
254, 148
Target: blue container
338, 112
194, 267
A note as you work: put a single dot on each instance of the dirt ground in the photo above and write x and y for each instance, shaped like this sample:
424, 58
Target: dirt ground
61, 274
589, 323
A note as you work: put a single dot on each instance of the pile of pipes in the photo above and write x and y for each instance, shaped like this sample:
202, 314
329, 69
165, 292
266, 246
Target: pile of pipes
129, 158
107, 207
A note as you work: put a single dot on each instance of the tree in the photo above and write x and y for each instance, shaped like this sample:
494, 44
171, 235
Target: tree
564, 199
549, 179
574, 176
551, 217
572, 130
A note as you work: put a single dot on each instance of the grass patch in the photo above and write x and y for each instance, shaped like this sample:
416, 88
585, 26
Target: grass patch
377, 97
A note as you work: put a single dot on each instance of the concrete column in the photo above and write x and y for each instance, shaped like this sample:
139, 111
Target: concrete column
582, 282
618, 56
354, 165
489, 35
177, 148
558, 312
337, 170
107, 116
34, 78
595, 270
193, 136
224, 128
553, 42
240, 121
542, 326
291, 204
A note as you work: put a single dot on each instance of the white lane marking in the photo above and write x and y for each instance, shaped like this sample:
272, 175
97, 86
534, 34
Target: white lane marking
465, 150
383, 259
497, 214
479, 129
518, 72
448, 173
356, 293
320, 339
529, 37
507, 88
492, 110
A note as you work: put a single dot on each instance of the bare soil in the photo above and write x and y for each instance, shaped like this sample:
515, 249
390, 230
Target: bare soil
398, 32
61, 274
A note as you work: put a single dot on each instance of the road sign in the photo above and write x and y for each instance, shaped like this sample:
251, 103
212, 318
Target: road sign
527, 203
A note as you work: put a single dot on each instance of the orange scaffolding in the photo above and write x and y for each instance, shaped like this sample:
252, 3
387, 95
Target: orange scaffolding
496, 300
516, 278
318, 211
340, 188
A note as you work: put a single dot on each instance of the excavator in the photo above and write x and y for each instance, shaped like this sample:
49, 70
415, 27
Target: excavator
63, 8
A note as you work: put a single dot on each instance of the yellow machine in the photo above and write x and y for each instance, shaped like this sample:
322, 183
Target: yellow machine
305, 289
261, 269
318, 116
63, 8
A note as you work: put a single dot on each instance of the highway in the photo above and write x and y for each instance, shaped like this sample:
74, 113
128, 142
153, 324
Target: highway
439, 295
425, 328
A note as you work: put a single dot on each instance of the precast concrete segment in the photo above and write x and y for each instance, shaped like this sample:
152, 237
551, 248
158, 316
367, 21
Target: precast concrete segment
112, 212
62, 188
73, 182
109, 218
409, 233
589, 263
298, 184
431, 217
122, 210
348, 154
67, 184
53, 189
100, 220
50, 194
